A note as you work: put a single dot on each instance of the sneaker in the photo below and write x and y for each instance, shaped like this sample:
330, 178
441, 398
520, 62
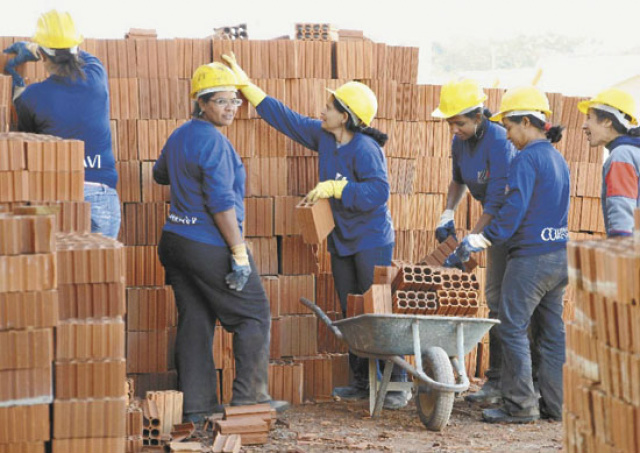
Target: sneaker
396, 400
489, 394
502, 416
279, 405
351, 393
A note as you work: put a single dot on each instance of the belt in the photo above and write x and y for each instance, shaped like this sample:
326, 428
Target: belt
96, 184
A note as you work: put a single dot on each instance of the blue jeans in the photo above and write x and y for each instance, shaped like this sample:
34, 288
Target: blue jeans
532, 292
496, 267
105, 209
353, 274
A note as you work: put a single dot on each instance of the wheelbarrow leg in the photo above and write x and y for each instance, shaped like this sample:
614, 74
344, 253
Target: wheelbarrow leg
382, 391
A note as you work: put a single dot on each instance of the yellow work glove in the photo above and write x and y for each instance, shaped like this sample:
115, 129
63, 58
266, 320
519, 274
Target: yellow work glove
250, 91
240, 268
327, 189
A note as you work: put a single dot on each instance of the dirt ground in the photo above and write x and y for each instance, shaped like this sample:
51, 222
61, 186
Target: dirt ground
342, 426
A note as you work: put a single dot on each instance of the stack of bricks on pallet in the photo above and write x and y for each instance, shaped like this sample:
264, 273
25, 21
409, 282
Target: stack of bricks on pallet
601, 411
89, 412
28, 315
252, 423
149, 92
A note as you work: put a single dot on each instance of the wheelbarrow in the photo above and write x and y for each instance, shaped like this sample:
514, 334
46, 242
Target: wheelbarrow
439, 344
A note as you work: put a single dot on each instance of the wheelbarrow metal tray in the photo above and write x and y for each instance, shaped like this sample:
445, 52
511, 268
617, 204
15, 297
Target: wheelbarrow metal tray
392, 334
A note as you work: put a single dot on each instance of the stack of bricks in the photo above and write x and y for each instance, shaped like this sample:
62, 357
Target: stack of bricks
149, 88
5, 102
90, 405
316, 32
28, 315
602, 402
231, 33
252, 423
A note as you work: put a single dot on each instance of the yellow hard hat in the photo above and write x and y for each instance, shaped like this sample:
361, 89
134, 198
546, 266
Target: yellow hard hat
213, 77
359, 99
524, 100
619, 99
458, 97
57, 31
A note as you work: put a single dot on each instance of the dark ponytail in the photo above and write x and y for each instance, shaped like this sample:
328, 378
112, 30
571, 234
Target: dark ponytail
380, 137
66, 64
197, 111
601, 115
553, 133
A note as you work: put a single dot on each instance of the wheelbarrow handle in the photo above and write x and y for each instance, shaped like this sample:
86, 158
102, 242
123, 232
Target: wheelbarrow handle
321, 314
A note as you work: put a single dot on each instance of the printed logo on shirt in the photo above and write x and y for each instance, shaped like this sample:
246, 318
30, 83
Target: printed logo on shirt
96, 162
186, 220
554, 234
339, 177
483, 176
506, 189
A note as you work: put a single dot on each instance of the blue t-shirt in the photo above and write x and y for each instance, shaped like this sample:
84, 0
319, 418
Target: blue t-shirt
206, 177
362, 218
74, 109
483, 165
534, 217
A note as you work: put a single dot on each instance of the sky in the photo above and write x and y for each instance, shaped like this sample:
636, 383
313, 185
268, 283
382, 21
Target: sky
397, 22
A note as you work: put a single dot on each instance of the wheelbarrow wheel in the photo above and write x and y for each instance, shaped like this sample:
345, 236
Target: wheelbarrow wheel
434, 406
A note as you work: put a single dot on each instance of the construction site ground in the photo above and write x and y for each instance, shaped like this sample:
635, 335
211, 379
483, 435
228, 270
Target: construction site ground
346, 426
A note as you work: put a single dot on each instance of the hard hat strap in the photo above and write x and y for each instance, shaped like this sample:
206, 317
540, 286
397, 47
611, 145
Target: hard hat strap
353, 116
470, 109
216, 89
615, 112
535, 113
52, 52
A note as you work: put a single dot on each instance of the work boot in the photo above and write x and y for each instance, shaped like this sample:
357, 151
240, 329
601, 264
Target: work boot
489, 394
502, 416
351, 392
396, 400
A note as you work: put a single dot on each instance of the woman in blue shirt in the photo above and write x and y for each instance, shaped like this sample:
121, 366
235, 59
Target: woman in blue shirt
202, 250
533, 223
72, 103
481, 156
353, 176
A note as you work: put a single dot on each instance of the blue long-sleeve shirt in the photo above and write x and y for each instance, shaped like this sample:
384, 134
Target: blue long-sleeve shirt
206, 177
74, 109
621, 185
483, 165
534, 217
362, 218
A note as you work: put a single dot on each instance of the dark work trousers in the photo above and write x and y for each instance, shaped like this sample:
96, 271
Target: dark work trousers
353, 274
496, 266
532, 292
196, 271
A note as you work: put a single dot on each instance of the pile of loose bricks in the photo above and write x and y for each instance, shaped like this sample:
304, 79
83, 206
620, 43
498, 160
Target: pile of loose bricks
149, 82
602, 371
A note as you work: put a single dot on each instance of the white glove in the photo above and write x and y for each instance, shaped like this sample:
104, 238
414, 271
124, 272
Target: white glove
446, 217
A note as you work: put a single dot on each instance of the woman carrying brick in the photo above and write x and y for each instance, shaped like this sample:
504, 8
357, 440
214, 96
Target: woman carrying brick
481, 156
72, 103
611, 122
353, 176
204, 255
533, 224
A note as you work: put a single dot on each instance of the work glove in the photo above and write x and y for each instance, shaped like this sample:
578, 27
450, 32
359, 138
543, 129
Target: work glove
446, 227
331, 188
470, 244
25, 51
240, 268
250, 91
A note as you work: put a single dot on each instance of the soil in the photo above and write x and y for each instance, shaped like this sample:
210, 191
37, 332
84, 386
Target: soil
346, 426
